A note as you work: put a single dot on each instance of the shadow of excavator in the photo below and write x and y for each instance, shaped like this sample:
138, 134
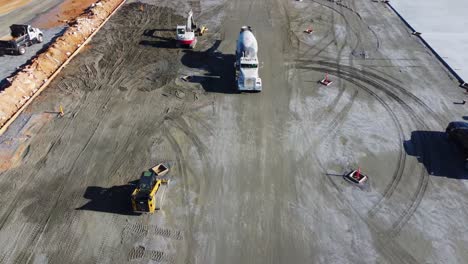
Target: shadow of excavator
221, 73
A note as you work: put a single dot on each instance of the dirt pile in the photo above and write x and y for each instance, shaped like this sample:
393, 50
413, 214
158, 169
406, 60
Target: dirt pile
29, 80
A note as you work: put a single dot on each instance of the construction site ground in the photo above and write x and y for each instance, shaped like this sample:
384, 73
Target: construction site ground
255, 178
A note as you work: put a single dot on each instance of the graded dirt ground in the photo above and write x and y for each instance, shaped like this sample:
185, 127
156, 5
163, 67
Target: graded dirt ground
256, 178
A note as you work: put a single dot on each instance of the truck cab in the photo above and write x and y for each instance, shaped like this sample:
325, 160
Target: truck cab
246, 65
22, 30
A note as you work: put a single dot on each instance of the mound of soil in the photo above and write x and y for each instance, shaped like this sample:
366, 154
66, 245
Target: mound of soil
28, 81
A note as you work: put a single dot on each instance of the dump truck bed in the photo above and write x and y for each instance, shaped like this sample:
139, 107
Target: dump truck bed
160, 169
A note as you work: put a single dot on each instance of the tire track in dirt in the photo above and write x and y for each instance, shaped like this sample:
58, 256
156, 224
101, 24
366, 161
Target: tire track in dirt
34, 239
330, 128
393, 252
361, 24
353, 73
143, 230
342, 114
14, 204
330, 29
38, 165
388, 246
377, 39
340, 50
101, 257
94, 80
400, 166
180, 165
292, 39
424, 177
35, 236
114, 78
390, 85
183, 126
332, 26
174, 124
140, 253
401, 160
390, 249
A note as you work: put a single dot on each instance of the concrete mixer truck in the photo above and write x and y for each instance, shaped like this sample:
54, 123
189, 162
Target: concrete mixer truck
247, 62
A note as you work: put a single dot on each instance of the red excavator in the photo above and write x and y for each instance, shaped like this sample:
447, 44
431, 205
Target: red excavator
185, 34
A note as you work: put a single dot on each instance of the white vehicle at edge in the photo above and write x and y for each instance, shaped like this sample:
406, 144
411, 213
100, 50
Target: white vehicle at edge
247, 62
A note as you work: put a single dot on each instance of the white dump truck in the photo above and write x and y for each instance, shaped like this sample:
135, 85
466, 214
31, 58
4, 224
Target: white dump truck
247, 62
22, 36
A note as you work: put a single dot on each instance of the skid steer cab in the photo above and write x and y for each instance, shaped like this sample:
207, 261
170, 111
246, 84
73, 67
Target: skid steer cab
149, 193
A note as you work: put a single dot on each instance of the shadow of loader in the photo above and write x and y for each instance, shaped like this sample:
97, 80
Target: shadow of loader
115, 200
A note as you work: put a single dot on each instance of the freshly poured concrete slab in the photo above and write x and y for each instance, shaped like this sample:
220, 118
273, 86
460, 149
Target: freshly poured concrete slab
443, 25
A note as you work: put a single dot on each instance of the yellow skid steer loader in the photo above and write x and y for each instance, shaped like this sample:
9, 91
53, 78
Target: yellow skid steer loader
148, 195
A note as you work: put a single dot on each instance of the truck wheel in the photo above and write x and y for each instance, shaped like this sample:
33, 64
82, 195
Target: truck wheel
21, 50
40, 38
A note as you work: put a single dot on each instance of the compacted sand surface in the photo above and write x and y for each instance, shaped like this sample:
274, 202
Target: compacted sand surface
256, 178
